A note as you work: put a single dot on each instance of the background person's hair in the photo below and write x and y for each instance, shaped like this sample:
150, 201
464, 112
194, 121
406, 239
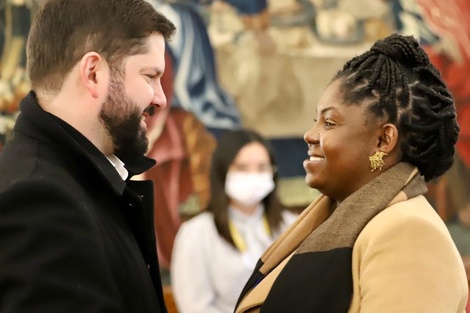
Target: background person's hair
397, 83
228, 146
65, 30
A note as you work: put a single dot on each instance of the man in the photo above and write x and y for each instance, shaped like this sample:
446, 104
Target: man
76, 235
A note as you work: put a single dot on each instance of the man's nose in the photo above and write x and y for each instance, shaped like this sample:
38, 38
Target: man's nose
159, 97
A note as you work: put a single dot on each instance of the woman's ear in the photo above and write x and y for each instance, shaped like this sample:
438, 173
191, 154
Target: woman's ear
388, 139
93, 71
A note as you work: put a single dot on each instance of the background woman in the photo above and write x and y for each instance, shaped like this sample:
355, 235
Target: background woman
216, 251
371, 242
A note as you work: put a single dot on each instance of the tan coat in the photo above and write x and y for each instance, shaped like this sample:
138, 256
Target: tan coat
403, 261
394, 271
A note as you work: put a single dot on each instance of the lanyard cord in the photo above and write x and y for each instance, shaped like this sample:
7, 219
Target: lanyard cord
237, 237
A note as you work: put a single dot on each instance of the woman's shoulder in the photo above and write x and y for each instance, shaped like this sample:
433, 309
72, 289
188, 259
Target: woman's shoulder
411, 219
202, 221
396, 252
415, 209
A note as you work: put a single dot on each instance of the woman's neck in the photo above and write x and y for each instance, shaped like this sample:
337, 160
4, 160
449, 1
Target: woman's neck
245, 209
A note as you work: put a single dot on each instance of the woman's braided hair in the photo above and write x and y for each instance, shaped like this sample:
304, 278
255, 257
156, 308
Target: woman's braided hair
398, 83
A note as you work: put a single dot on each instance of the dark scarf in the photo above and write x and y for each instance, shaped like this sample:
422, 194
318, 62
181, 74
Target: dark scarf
308, 269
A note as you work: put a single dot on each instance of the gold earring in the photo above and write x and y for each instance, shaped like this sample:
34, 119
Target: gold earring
376, 161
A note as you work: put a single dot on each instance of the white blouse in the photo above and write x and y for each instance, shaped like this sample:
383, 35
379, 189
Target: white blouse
207, 273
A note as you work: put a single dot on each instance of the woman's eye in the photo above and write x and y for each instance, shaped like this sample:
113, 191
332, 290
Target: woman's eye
328, 123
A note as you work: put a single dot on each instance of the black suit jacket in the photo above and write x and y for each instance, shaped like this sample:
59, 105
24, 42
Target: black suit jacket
74, 237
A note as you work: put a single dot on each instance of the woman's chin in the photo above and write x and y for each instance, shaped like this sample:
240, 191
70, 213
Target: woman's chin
310, 181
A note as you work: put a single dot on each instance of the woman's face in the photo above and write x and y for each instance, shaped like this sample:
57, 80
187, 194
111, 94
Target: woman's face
339, 145
250, 178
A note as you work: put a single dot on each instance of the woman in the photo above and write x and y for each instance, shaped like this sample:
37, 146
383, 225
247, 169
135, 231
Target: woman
215, 252
371, 242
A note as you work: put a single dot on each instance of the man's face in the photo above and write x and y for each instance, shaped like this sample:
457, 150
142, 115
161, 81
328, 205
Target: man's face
135, 93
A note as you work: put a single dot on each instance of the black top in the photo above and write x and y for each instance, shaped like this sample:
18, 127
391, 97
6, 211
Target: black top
74, 237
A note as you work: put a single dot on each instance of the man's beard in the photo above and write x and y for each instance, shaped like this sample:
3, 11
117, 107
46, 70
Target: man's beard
121, 117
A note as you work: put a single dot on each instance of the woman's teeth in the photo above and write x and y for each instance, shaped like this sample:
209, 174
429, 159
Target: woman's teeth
314, 158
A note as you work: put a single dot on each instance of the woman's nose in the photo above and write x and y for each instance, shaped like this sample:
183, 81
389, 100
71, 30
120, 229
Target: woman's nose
312, 136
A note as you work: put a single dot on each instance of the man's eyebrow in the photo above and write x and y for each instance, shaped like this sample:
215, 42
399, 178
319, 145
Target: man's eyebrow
157, 70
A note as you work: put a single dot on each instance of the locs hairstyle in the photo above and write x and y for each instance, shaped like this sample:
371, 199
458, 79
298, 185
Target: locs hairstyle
397, 82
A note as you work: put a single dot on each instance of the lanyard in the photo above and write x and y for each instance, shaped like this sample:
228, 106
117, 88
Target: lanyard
237, 237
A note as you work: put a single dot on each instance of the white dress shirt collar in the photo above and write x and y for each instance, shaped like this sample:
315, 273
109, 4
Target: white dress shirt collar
119, 166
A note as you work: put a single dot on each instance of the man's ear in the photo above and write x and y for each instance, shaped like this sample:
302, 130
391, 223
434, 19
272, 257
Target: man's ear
388, 138
93, 73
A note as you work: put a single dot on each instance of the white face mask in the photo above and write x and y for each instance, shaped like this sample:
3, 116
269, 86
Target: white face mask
248, 188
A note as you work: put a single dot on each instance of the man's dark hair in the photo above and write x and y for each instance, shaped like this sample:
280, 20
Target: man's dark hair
65, 30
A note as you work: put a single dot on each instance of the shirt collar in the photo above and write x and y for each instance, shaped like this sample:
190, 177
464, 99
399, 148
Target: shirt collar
239, 217
118, 165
